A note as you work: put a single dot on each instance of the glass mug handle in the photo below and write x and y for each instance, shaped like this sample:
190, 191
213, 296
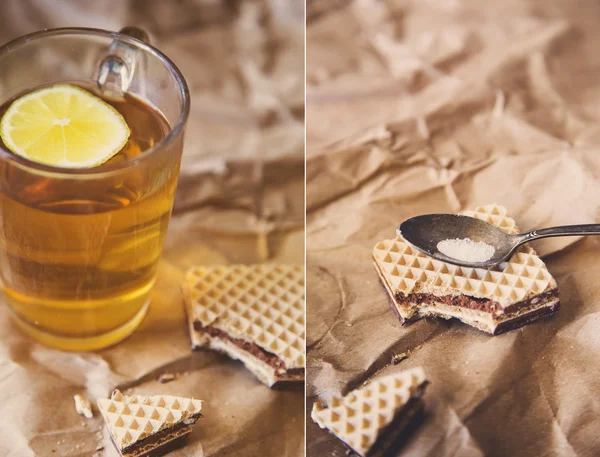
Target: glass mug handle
118, 67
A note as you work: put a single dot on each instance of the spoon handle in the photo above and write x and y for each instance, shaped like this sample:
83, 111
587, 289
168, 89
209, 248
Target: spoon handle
565, 230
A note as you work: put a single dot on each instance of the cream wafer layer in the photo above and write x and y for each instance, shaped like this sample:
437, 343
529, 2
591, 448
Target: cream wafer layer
359, 418
131, 419
408, 271
262, 304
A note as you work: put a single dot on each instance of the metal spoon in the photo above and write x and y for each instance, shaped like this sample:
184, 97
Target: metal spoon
425, 232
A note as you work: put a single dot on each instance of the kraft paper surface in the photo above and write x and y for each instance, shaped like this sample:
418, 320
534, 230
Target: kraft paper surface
418, 107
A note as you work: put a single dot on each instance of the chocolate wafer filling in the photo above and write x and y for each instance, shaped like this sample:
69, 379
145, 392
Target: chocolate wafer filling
268, 357
479, 304
160, 440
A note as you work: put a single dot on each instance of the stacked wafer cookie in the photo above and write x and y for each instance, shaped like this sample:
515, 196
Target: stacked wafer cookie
495, 300
141, 424
370, 419
253, 313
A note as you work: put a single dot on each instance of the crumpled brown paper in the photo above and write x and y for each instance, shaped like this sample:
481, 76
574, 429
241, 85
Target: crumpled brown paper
240, 199
439, 106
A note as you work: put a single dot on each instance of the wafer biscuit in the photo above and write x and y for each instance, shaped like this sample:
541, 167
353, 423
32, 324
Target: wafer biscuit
253, 313
371, 418
83, 406
493, 300
141, 424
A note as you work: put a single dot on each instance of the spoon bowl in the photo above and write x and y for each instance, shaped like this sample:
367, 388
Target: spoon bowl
425, 232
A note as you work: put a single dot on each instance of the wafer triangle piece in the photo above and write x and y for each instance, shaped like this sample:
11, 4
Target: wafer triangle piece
253, 313
140, 424
371, 418
502, 298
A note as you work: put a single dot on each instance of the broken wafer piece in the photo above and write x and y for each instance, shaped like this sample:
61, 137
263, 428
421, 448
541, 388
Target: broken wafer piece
83, 406
252, 313
493, 300
141, 424
372, 418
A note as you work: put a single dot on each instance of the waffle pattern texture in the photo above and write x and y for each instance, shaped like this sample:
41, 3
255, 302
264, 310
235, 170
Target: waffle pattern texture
408, 271
262, 304
131, 419
359, 417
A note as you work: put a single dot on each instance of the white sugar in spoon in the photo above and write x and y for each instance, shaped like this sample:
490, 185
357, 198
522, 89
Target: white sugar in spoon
473, 242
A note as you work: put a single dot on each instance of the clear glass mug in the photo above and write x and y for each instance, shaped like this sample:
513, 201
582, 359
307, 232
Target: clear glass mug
79, 247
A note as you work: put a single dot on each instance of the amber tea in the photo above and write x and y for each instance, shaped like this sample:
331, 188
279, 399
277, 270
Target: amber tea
78, 257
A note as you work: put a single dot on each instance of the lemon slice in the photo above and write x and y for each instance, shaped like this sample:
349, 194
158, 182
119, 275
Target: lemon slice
63, 126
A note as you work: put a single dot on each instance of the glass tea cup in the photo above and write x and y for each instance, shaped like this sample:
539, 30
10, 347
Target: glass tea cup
79, 247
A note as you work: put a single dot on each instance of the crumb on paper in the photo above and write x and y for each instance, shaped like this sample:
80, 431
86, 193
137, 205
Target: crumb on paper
397, 358
166, 377
83, 406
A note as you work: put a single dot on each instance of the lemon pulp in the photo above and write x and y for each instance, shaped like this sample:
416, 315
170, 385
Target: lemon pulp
63, 126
